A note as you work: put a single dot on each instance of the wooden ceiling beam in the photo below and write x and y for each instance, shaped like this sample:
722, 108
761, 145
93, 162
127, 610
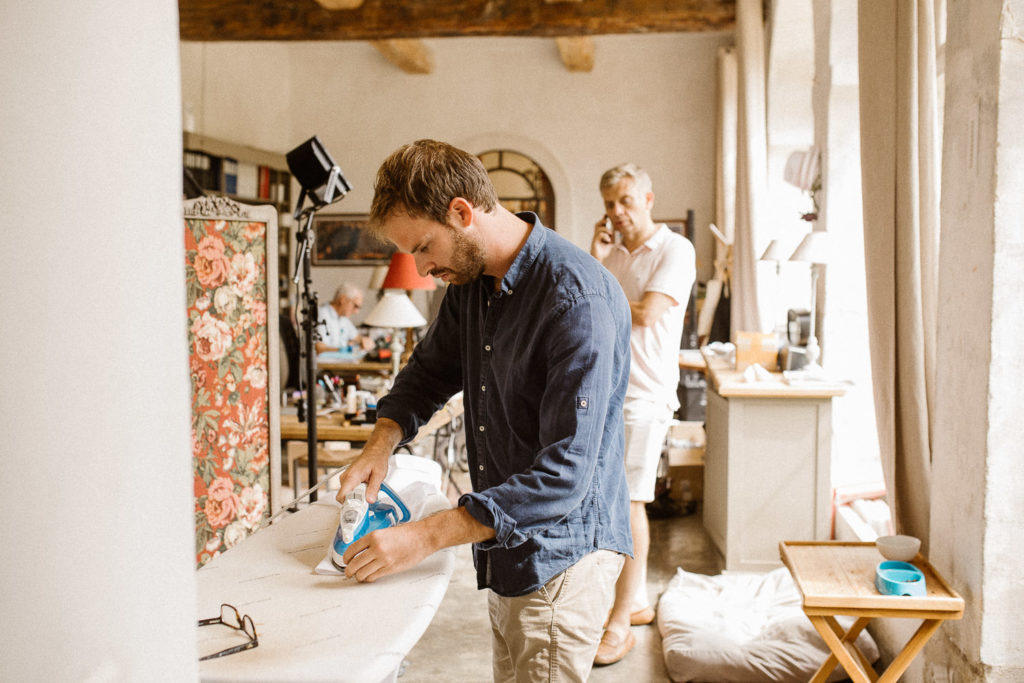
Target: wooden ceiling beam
577, 52
410, 55
221, 20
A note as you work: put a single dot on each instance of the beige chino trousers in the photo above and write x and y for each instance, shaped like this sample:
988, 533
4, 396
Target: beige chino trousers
552, 634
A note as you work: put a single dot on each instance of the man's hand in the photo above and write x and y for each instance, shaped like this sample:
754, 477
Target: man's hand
395, 549
386, 551
604, 239
372, 466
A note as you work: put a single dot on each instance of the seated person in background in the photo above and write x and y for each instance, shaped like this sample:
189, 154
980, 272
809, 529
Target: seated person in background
337, 332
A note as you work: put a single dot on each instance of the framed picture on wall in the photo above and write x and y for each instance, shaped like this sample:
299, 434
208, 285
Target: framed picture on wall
342, 240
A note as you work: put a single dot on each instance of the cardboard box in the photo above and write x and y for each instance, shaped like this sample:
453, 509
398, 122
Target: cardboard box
686, 442
757, 347
687, 483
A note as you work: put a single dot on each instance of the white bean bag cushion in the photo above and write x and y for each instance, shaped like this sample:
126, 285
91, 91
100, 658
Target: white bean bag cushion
742, 627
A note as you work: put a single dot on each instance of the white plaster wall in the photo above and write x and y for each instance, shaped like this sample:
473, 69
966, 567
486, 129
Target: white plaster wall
98, 564
978, 481
649, 100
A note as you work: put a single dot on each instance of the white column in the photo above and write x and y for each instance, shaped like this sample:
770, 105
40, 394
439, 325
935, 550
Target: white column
95, 488
978, 480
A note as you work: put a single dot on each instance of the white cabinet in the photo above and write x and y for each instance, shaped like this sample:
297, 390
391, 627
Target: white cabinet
767, 471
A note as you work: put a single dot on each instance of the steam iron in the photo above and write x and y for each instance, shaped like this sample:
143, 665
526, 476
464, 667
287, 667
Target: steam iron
359, 518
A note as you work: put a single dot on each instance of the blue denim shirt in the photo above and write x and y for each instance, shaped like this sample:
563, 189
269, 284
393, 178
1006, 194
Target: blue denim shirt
544, 365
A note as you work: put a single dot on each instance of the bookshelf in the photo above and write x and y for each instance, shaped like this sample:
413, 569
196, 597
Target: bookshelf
248, 175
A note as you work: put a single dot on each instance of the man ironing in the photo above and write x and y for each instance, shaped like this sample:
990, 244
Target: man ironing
536, 334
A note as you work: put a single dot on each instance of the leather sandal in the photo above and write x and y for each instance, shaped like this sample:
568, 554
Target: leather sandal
609, 652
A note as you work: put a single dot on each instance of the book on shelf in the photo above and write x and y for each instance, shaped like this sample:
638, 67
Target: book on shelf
264, 179
205, 168
229, 166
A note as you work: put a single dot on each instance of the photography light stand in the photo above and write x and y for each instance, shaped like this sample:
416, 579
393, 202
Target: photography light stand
322, 183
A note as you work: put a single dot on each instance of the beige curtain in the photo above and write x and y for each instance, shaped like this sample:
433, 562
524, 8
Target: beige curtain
725, 187
751, 162
900, 175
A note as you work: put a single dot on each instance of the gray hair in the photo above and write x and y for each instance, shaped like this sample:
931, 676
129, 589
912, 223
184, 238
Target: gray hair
347, 290
639, 176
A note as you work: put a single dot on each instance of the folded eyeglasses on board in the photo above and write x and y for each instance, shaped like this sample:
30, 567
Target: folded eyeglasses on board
230, 617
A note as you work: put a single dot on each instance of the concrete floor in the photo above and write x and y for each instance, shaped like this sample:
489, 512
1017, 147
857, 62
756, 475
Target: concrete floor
457, 645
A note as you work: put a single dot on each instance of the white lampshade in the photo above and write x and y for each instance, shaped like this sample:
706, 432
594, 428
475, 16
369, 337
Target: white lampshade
802, 168
774, 252
395, 309
816, 247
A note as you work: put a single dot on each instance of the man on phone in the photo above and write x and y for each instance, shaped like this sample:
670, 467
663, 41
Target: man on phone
656, 269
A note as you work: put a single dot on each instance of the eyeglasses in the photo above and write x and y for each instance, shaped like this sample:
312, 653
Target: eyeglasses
230, 617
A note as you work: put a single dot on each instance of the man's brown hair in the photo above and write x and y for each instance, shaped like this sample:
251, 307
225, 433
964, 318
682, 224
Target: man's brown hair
421, 179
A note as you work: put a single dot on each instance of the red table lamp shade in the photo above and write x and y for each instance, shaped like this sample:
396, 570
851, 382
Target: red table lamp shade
402, 274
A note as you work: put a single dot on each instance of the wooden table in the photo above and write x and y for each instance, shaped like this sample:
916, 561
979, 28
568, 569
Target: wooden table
328, 428
691, 359
767, 465
313, 627
354, 367
440, 427
838, 578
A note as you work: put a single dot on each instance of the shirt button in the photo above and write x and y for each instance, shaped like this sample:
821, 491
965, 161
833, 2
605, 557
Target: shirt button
480, 467
483, 387
583, 403
487, 347
481, 428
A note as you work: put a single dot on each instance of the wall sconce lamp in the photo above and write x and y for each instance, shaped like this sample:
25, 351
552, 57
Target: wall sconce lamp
803, 171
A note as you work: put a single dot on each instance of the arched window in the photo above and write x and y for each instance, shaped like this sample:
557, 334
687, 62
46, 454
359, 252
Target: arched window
521, 184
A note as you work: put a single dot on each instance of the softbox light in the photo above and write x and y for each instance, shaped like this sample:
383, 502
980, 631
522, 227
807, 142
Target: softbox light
321, 179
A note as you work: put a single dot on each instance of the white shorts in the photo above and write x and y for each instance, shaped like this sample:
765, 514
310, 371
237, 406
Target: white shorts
647, 424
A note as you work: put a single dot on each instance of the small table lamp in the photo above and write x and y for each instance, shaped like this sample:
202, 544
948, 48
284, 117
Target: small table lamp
402, 274
395, 309
816, 249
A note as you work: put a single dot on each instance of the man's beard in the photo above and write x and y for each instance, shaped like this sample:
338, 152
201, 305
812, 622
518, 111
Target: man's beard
467, 259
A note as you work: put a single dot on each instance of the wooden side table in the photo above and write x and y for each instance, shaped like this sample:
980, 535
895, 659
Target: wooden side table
837, 577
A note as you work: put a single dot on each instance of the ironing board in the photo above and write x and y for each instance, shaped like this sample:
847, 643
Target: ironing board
313, 627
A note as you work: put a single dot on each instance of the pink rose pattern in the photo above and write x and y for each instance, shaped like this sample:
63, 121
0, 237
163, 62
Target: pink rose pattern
227, 335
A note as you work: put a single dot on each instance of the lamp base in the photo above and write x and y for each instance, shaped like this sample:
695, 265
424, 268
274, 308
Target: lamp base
396, 354
813, 350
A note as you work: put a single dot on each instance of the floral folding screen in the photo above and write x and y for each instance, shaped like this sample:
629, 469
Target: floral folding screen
231, 282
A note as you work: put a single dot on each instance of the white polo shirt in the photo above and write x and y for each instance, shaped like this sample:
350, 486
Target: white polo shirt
665, 263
